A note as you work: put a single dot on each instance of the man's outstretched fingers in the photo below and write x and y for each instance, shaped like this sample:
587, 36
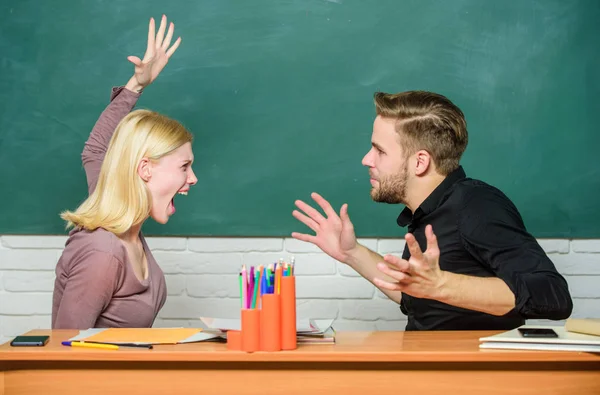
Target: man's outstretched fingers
432, 244
413, 246
310, 211
397, 263
304, 237
305, 220
324, 204
395, 274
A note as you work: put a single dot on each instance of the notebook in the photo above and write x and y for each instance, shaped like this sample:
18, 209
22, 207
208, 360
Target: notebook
566, 341
145, 335
587, 326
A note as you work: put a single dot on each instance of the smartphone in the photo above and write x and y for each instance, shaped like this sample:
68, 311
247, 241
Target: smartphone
30, 341
537, 332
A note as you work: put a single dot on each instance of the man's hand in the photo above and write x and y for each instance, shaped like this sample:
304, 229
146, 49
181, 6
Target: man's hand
156, 57
419, 276
334, 234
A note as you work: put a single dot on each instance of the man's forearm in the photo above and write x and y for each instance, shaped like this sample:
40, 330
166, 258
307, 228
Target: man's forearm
364, 262
489, 295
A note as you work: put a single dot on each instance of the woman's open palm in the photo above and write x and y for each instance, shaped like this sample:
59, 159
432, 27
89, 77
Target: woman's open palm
157, 53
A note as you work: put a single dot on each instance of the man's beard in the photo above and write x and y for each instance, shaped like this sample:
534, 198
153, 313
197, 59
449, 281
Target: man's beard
392, 188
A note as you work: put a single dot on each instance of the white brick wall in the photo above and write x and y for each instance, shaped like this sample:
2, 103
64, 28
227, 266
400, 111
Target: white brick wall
201, 280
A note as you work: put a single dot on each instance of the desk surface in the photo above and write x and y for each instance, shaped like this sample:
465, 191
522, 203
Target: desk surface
425, 363
447, 346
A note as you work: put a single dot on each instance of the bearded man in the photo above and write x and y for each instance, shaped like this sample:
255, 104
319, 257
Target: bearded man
469, 262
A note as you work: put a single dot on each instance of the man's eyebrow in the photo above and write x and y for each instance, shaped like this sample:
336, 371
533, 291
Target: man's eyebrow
379, 147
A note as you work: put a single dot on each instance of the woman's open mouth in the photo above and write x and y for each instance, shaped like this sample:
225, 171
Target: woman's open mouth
171, 207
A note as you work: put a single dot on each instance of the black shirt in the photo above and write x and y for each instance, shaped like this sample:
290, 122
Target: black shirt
481, 233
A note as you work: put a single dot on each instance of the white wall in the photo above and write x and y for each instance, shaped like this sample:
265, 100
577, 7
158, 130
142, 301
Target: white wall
201, 280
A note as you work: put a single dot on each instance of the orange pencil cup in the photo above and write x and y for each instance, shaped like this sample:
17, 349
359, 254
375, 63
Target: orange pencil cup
288, 313
250, 330
270, 323
234, 340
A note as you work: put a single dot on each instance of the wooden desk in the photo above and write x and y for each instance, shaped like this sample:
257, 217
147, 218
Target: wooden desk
360, 363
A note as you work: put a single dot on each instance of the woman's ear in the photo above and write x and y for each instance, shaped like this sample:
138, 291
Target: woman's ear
144, 170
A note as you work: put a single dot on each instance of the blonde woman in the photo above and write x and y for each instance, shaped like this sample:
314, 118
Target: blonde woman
135, 163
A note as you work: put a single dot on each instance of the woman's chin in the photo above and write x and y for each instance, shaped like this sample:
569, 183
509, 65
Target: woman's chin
161, 219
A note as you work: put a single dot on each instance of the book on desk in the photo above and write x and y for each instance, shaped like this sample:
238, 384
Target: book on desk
566, 341
587, 326
309, 331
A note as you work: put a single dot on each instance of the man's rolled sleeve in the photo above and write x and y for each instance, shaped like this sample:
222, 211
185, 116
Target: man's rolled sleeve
493, 231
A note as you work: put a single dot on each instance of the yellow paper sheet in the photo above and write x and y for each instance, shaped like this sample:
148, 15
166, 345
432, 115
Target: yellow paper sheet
143, 335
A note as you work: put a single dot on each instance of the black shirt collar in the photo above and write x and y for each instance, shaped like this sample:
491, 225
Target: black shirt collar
433, 200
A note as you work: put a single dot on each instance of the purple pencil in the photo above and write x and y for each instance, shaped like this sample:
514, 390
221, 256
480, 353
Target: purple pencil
250, 288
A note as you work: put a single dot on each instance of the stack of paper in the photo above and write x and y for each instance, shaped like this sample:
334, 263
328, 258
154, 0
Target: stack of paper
321, 332
309, 331
566, 341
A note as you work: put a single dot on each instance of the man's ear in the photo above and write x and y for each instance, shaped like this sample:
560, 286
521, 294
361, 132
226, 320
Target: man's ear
424, 162
144, 170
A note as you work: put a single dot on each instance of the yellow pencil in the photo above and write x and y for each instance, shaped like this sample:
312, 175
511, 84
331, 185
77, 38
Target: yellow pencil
92, 345
278, 273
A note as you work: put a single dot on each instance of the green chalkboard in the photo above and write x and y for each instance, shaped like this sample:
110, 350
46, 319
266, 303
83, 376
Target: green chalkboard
279, 96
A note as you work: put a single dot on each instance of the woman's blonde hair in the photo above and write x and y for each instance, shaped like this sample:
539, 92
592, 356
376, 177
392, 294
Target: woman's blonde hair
121, 198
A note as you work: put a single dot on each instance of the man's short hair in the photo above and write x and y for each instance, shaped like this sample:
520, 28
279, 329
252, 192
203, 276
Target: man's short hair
427, 121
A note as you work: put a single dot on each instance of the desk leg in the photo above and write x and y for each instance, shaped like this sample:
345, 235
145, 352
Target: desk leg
1, 383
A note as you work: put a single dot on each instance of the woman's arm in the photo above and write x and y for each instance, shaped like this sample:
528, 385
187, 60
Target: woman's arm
122, 102
93, 280
124, 99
